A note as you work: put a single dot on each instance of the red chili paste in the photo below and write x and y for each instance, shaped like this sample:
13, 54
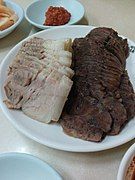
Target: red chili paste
56, 16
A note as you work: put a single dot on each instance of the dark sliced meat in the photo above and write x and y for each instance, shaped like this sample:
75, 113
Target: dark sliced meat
102, 33
84, 106
78, 126
112, 41
117, 112
116, 48
128, 96
102, 98
103, 121
119, 116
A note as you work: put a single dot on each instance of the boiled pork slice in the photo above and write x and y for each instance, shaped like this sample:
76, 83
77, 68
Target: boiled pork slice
40, 74
63, 44
47, 102
61, 56
48, 50
33, 62
15, 86
23, 78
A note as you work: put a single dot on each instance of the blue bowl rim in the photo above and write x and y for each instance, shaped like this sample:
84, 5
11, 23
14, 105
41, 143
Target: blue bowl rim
31, 157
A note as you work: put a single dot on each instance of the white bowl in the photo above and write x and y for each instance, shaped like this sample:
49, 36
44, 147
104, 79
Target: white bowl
20, 166
126, 162
35, 12
19, 11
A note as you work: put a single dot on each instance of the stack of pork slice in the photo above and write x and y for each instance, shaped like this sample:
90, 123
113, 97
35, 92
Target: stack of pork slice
39, 78
102, 99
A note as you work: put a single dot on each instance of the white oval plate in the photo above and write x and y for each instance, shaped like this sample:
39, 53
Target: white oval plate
52, 135
21, 166
125, 163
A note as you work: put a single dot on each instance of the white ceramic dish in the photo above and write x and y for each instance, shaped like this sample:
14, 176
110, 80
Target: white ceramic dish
52, 135
19, 166
125, 163
35, 12
19, 11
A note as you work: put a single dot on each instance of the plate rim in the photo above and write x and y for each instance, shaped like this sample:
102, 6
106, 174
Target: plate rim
49, 143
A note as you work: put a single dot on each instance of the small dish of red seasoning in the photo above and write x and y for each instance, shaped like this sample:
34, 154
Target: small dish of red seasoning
56, 16
51, 13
